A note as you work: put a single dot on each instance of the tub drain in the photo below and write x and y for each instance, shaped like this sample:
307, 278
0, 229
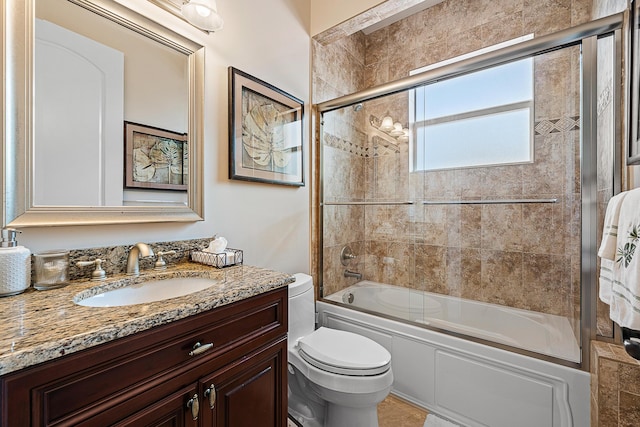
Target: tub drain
347, 298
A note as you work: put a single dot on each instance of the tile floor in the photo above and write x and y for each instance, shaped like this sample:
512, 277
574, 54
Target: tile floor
395, 412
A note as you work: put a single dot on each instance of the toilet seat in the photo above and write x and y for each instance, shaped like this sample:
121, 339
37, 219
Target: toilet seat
344, 353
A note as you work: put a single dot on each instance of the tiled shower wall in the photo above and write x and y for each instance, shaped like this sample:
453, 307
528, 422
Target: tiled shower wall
525, 256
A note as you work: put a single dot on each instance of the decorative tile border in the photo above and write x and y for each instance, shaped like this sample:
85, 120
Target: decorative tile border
563, 124
380, 147
344, 145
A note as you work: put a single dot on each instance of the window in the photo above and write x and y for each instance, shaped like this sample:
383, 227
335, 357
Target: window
477, 119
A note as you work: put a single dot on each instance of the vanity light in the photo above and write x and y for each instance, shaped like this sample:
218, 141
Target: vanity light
202, 14
387, 124
397, 130
393, 132
405, 136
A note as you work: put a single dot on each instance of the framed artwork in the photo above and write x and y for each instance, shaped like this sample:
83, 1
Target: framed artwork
633, 157
265, 132
155, 158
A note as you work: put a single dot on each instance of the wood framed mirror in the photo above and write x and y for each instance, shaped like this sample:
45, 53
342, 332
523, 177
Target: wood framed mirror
28, 126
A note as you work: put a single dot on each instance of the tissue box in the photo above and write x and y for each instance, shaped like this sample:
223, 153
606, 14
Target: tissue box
223, 259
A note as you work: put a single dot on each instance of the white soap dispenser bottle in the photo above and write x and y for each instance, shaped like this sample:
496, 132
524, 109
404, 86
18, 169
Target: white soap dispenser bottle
15, 264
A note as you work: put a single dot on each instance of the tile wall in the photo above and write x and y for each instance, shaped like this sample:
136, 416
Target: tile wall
615, 387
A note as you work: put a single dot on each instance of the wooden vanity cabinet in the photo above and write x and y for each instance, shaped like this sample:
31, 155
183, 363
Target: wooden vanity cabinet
149, 378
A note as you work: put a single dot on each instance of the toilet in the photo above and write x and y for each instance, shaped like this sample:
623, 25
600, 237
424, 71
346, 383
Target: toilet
336, 378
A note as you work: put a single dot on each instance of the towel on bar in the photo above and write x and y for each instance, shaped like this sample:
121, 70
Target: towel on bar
606, 278
610, 230
607, 251
625, 278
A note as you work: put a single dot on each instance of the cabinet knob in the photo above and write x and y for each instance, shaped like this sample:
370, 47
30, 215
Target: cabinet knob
200, 348
210, 393
194, 405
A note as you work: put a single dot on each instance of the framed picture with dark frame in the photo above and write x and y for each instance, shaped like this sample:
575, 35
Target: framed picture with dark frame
265, 132
633, 155
155, 159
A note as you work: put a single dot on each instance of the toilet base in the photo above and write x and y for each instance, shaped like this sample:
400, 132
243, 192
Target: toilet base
340, 416
307, 414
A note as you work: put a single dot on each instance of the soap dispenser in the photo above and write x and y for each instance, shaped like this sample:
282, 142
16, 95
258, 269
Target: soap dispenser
15, 264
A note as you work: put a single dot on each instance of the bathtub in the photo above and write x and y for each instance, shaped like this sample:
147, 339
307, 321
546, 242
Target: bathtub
474, 384
538, 332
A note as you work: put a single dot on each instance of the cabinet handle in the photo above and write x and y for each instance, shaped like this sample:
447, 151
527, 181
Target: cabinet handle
211, 394
200, 348
194, 405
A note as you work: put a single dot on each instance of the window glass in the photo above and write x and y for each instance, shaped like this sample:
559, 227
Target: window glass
485, 140
478, 119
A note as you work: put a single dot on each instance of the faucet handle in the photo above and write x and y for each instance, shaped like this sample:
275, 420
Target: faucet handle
346, 255
98, 274
160, 262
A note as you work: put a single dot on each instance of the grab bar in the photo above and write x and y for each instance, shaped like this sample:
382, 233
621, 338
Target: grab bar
367, 203
487, 202
446, 202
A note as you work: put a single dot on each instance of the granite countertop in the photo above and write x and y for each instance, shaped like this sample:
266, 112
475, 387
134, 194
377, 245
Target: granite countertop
38, 326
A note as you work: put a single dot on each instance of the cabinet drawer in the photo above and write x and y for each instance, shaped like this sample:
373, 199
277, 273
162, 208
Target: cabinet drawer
75, 387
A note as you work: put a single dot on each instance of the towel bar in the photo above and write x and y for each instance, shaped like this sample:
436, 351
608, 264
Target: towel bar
409, 202
445, 202
487, 202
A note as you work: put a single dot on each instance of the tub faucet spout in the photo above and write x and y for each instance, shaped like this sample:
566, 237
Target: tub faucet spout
349, 273
137, 251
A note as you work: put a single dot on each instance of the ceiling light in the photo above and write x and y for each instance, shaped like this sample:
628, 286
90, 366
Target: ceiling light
202, 14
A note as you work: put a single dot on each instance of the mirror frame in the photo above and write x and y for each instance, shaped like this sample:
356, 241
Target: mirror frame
17, 92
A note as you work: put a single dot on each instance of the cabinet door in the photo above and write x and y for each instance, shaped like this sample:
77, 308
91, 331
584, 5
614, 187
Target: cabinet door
179, 409
249, 392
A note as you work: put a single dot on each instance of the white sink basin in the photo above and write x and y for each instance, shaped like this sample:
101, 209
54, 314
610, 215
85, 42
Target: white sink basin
145, 292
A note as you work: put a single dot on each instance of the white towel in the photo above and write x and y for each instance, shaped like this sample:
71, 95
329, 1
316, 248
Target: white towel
606, 278
610, 230
625, 285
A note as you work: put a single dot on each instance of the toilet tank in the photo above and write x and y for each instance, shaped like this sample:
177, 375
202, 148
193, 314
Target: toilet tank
302, 308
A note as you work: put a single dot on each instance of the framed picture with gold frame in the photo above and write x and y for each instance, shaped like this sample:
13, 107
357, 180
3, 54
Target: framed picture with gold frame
265, 132
155, 159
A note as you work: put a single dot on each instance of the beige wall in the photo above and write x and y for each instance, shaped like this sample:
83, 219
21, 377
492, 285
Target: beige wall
270, 40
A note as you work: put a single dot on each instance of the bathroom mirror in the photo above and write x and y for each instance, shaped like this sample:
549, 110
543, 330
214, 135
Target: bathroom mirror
71, 201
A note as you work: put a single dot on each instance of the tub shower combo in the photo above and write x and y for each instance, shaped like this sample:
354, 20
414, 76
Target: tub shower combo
458, 212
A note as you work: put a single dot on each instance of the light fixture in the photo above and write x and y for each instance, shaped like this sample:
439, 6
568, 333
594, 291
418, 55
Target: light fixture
390, 130
387, 124
202, 14
397, 130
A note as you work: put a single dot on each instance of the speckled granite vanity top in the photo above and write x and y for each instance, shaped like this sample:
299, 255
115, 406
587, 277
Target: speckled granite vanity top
41, 325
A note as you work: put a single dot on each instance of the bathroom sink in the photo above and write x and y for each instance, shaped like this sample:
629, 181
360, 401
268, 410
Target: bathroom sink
150, 291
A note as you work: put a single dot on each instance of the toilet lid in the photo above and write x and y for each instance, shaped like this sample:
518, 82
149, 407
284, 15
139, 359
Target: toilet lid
344, 353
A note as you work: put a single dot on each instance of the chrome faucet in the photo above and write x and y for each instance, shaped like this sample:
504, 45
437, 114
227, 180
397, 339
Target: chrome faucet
349, 273
137, 251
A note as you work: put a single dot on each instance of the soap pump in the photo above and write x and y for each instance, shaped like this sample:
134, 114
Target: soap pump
15, 264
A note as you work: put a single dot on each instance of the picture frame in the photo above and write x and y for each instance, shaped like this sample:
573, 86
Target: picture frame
155, 159
633, 152
265, 132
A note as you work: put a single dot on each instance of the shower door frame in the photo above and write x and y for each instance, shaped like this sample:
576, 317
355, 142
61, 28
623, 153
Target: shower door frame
585, 35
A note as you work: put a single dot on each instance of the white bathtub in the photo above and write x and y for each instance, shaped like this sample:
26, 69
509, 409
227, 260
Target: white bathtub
539, 332
474, 384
